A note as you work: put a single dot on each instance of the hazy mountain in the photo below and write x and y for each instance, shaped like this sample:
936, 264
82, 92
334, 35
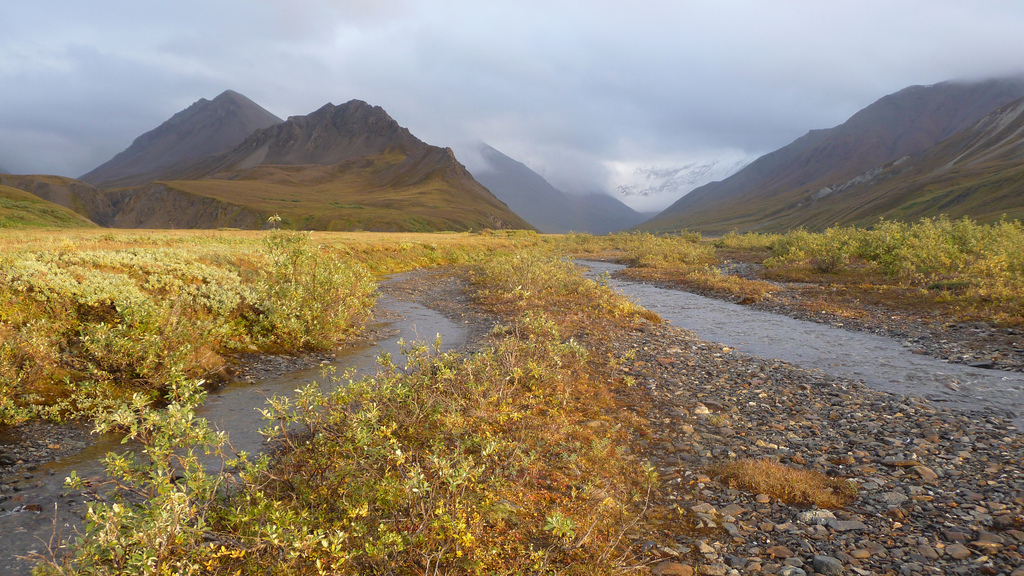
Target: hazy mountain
675, 181
20, 209
773, 192
340, 168
204, 128
546, 207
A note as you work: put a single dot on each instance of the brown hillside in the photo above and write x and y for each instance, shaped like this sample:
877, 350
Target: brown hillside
772, 192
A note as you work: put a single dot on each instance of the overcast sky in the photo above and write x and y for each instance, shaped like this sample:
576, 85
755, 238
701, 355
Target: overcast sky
581, 91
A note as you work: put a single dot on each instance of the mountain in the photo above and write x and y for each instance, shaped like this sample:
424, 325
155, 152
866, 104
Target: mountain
340, 168
977, 172
546, 207
99, 206
206, 127
773, 192
675, 181
20, 209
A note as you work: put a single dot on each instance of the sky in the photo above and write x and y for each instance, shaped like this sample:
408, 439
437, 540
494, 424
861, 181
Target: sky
595, 95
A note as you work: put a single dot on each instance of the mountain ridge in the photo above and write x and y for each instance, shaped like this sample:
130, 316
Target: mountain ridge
767, 193
546, 207
206, 127
348, 166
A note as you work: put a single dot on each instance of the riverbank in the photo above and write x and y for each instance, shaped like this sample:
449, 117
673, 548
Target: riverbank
973, 343
940, 491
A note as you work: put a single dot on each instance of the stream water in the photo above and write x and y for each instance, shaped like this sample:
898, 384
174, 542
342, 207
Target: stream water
233, 408
880, 362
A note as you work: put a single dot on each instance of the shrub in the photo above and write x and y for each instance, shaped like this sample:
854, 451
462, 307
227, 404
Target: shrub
791, 485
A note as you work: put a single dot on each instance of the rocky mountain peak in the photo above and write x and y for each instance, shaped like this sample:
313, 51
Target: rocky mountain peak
206, 127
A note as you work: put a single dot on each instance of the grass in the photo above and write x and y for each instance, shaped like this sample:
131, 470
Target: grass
20, 209
797, 487
953, 270
451, 464
84, 324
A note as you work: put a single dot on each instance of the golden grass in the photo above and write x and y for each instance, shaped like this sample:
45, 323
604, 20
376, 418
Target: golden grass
791, 485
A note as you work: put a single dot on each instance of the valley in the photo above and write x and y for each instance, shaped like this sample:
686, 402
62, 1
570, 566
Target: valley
321, 345
628, 418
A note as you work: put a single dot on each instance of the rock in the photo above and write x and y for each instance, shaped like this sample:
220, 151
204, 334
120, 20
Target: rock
668, 568
861, 554
791, 571
846, 525
703, 508
958, 551
762, 499
956, 536
891, 498
816, 517
926, 473
714, 569
927, 552
780, 552
827, 565
1005, 522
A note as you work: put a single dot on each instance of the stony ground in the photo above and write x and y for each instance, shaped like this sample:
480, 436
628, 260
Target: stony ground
940, 492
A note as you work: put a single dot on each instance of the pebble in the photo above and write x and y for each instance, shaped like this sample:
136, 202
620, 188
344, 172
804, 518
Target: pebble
938, 489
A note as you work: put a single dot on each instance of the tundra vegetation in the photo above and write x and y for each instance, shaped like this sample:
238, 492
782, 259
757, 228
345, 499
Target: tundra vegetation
509, 460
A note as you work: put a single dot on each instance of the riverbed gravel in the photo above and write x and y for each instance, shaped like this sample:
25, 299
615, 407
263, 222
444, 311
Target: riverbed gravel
940, 491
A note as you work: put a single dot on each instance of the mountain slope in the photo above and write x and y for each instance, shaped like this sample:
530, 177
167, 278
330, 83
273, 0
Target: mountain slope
977, 172
340, 168
546, 207
20, 209
206, 127
97, 205
770, 193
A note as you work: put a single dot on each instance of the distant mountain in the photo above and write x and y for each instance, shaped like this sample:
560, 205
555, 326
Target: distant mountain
773, 192
204, 128
20, 209
546, 207
675, 181
340, 168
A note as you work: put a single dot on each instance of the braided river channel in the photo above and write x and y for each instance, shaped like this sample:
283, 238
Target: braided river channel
880, 362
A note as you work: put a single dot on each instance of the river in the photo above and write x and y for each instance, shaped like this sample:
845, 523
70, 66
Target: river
880, 362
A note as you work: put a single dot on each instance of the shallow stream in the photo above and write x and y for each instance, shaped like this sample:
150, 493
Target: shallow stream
880, 362
233, 408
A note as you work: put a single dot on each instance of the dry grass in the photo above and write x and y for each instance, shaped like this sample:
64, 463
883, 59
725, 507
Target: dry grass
791, 485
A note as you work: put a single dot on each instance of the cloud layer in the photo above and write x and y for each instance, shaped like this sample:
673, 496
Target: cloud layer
576, 90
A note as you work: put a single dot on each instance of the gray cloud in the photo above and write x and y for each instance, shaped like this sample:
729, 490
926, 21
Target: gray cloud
567, 87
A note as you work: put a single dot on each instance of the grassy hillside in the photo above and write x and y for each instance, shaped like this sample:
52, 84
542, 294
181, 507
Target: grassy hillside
19, 209
364, 194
